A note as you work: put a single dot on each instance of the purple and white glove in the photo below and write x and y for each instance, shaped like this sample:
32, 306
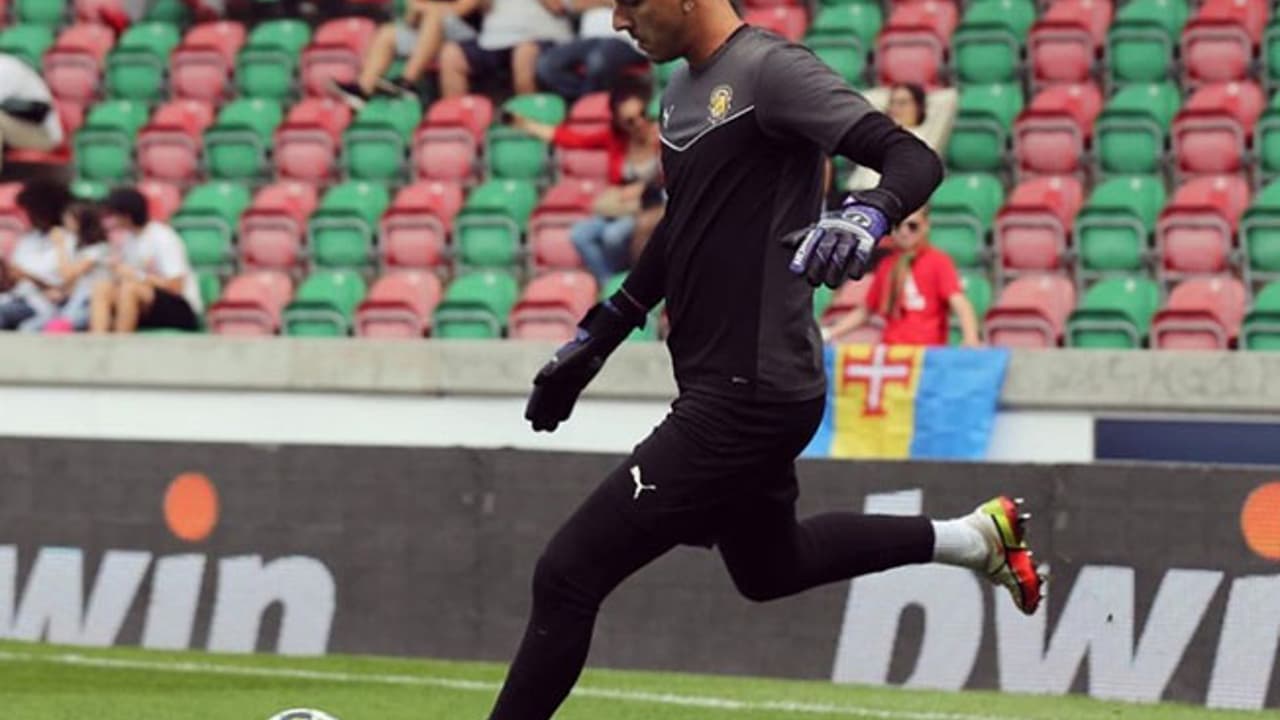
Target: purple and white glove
840, 245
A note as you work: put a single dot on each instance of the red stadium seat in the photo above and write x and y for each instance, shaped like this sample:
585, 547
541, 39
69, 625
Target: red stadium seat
551, 304
73, 66
564, 205
251, 304
591, 109
90, 11
1031, 312
13, 221
307, 143
201, 67
272, 229
589, 113
914, 41
1064, 44
1034, 226
850, 296
789, 21
71, 114
414, 232
162, 198
169, 146
399, 305
336, 52
1202, 314
1195, 230
1211, 131
1051, 135
448, 143
1218, 43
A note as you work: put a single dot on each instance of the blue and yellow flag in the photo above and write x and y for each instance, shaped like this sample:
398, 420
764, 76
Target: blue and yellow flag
903, 401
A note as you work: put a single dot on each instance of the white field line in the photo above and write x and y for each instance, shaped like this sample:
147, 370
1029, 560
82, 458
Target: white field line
629, 696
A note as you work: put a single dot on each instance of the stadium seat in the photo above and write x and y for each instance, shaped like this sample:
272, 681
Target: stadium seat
487, 231
987, 47
168, 147
551, 305
251, 304
1194, 233
136, 67
91, 11
1132, 129
201, 67
272, 229
983, 120
1211, 133
342, 230
170, 12
325, 304
476, 305
853, 295
91, 190
28, 43
789, 21
207, 221
977, 288
237, 146
1202, 313
961, 212
1261, 327
375, 145
1064, 44
1266, 140
563, 205
1052, 134
1114, 314
48, 13
104, 145
589, 113
1113, 228
414, 232
266, 65
447, 144
13, 221
1033, 228
1031, 312
306, 145
840, 36
335, 53
514, 154
399, 305
913, 43
1218, 43
1141, 40
73, 66
163, 199
1260, 235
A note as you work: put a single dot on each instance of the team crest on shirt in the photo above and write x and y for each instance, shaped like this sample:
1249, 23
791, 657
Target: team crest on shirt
720, 103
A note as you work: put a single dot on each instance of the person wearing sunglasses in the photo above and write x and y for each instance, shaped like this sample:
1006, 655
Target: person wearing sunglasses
913, 291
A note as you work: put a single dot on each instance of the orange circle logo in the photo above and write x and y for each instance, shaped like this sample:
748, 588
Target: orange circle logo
191, 507
1260, 521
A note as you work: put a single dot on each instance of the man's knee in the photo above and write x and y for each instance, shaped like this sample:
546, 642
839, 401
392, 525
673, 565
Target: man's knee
560, 580
453, 59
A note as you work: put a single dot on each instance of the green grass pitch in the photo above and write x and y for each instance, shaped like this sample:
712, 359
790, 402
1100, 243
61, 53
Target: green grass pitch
42, 682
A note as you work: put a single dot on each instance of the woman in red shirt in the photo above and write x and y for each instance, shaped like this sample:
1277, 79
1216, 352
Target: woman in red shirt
913, 289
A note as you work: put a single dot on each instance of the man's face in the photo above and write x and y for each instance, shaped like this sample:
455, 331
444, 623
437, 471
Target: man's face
912, 231
658, 26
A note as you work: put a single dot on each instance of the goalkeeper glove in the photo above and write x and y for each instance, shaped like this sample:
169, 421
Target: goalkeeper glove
842, 243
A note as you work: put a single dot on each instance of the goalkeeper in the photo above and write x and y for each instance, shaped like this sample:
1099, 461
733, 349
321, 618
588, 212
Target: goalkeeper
745, 131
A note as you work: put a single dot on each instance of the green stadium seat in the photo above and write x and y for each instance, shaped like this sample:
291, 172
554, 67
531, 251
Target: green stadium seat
90, 190
1114, 314
342, 229
514, 154
376, 143
266, 64
650, 330
136, 67
487, 231
325, 304
987, 46
662, 73
210, 288
170, 12
961, 212
1271, 51
207, 221
476, 306
1266, 140
977, 287
1142, 38
104, 144
1261, 328
48, 13
981, 133
27, 43
235, 148
841, 34
1131, 131
1112, 228
1260, 234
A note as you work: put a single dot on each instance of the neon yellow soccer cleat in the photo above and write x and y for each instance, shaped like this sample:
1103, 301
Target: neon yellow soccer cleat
1011, 563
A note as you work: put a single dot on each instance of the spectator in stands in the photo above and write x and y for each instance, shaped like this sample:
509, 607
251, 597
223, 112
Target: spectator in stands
28, 119
152, 286
631, 139
912, 290
38, 289
592, 62
929, 117
417, 37
512, 35
82, 268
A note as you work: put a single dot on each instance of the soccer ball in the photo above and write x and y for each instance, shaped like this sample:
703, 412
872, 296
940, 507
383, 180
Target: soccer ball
302, 714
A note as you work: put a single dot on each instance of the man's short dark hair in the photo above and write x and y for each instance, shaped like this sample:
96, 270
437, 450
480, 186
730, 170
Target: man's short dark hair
44, 201
129, 203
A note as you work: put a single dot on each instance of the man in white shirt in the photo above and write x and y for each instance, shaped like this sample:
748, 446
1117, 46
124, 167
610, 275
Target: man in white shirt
512, 35
153, 286
39, 288
28, 119
592, 62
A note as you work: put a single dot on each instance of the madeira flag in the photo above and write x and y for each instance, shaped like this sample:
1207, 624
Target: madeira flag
904, 401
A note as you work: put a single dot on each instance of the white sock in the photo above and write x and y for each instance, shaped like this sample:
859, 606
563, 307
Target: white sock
958, 542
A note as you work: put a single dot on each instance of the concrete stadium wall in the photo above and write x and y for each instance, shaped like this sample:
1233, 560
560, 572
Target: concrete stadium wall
1166, 583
